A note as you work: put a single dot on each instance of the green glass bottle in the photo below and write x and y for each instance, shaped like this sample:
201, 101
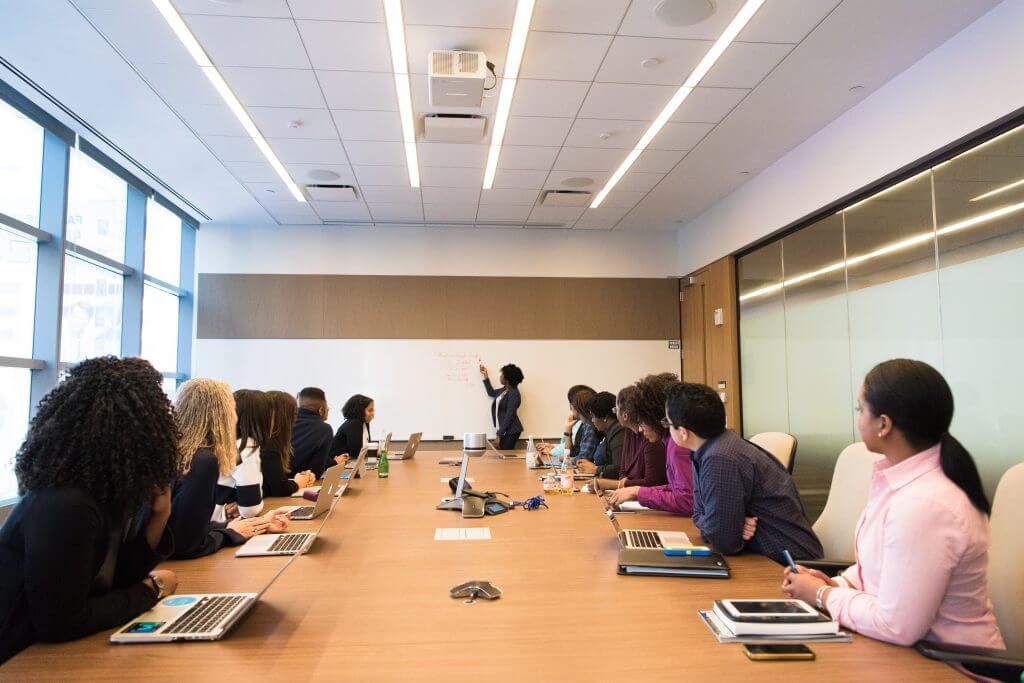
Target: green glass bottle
382, 464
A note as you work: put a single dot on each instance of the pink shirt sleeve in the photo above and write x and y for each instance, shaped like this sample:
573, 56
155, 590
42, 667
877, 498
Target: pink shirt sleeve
923, 544
677, 495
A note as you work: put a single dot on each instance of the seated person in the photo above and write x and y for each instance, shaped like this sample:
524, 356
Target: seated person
311, 435
354, 432
276, 453
608, 454
643, 455
579, 436
677, 495
734, 479
204, 413
78, 551
922, 541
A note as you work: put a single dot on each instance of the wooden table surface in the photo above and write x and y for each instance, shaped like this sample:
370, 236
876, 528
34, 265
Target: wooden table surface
370, 602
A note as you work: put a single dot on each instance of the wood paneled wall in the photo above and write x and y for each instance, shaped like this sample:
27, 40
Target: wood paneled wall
710, 350
243, 306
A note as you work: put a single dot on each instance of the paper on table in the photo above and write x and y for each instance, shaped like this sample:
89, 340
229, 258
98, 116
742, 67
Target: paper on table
462, 534
632, 506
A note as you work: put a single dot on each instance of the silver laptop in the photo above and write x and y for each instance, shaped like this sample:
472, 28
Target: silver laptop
331, 482
641, 539
383, 444
456, 502
410, 448
276, 544
503, 455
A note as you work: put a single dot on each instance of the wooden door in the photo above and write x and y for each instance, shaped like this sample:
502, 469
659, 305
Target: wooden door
693, 341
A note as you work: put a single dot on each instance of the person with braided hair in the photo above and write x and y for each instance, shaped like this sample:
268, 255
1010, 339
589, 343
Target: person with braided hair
78, 552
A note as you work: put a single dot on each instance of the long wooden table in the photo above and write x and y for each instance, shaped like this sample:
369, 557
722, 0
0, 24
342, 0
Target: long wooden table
370, 602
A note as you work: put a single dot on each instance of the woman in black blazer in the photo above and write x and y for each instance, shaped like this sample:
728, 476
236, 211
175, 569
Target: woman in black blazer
505, 405
94, 473
358, 412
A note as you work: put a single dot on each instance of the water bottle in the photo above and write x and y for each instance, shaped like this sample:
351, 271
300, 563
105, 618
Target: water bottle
532, 459
382, 463
566, 476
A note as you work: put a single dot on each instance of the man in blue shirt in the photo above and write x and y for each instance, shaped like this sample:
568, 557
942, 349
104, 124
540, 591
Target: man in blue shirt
311, 436
733, 479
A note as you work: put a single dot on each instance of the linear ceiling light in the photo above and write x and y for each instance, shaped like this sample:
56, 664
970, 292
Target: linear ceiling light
400, 65
900, 245
187, 39
741, 19
516, 46
999, 190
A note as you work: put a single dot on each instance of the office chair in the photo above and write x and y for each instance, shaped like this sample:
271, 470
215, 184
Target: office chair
779, 444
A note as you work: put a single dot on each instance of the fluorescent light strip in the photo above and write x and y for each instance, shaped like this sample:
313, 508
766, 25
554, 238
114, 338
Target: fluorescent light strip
187, 39
913, 240
737, 24
513, 60
400, 65
999, 190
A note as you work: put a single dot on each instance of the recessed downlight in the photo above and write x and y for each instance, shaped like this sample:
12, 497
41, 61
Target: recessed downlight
683, 12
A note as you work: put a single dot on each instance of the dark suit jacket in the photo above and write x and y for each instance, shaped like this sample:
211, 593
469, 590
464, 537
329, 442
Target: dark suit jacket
506, 420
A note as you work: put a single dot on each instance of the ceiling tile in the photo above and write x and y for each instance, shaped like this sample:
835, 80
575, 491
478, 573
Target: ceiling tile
358, 90
622, 199
563, 56
503, 212
620, 134
588, 158
509, 196
245, 41
210, 119
274, 87
349, 10
341, 210
680, 135
548, 98
295, 151
478, 13
556, 180
390, 194
252, 171
786, 21
432, 176
451, 195
449, 154
580, 16
556, 214
677, 58
593, 224
640, 21
657, 160
527, 157
272, 190
252, 8
708, 105
382, 175
626, 101
346, 46
450, 212
179, 83
300, 172
136, 28
603, 218
279, 122
536, 130
743, 65
638, 181
369, 153
228, 148
526, 180
421, 100
420, 40
368, 125
396, 212
299, 214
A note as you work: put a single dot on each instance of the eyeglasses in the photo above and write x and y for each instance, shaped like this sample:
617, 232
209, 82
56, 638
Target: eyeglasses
666, 423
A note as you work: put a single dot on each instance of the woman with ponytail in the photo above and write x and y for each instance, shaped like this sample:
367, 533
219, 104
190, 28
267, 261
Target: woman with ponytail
922, 541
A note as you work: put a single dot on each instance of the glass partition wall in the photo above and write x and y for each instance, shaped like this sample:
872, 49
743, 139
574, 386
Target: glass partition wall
931, 268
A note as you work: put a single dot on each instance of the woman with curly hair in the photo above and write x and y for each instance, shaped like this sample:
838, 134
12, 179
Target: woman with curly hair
505, 406
354, 432
94, 473
205, 415
276, 454
643, 448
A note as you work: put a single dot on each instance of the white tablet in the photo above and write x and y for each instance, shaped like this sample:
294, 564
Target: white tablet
768, 609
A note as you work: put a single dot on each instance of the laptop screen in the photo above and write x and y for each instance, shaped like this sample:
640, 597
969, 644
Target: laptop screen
462, 475
614, 520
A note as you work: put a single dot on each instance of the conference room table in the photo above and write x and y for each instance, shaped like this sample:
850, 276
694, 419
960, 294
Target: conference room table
370, 602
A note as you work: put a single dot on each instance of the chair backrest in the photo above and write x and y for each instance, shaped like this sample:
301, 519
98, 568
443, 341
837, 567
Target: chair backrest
779, 444
847, 497
1006, 558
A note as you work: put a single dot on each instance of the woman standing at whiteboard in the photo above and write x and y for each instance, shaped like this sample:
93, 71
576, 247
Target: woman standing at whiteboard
505, 405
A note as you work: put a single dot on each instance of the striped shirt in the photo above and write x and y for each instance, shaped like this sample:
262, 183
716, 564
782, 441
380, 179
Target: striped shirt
243, 485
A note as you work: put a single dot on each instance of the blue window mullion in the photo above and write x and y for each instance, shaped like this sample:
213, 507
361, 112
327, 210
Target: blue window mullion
186, 302
134, 257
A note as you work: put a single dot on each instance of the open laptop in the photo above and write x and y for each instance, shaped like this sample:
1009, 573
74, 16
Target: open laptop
640, 539
376, 447
353, 470
266, 545
410, 448
330, 483
456, 502
503, 455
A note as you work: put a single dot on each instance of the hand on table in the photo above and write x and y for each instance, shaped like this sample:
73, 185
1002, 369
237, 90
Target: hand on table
619, 496
304, 479
586, 466
169, 579
277, 520
341, 459
247, 528
805, 584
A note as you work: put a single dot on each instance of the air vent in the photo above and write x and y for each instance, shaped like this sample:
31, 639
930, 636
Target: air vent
331, 193
456, 79
453, 128
565, 198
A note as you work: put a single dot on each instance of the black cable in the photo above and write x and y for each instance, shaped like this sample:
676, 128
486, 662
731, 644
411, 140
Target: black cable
490, 67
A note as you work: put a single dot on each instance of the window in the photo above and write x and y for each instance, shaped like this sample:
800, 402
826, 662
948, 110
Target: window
160, 328
21, 163
91, 318
163, 244
14, 405
17, 294
97, 207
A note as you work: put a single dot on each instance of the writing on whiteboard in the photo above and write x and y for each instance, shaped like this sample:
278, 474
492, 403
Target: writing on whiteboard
458, 368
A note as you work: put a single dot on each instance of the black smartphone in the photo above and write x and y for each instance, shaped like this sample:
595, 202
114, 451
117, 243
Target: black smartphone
766, 653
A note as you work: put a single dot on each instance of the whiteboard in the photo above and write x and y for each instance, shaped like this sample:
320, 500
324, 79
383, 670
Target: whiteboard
433, 386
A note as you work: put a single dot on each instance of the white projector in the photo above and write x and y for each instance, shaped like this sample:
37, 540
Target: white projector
456, 78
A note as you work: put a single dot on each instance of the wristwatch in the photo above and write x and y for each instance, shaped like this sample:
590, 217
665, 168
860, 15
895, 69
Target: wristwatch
158, 585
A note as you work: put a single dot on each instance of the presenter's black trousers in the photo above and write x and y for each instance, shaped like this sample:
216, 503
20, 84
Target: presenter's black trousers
508, 442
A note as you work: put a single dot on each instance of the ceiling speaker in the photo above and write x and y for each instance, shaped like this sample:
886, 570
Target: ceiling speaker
683, 12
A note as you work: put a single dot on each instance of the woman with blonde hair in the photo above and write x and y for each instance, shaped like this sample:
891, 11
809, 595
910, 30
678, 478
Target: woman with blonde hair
205, 415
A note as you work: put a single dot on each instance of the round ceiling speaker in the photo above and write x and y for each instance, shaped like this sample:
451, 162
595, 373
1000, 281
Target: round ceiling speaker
578, 181
322, 175
683, 12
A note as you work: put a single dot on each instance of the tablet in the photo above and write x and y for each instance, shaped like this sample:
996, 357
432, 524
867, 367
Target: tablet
770, 609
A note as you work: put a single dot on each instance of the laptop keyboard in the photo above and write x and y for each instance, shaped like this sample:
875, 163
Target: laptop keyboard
644, 539
207, 614
303, 511
287, 543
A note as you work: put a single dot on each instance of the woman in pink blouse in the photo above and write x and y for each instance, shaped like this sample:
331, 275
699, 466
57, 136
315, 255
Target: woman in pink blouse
922, 541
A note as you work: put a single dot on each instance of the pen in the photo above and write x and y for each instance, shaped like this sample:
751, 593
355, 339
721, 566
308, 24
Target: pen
789, 561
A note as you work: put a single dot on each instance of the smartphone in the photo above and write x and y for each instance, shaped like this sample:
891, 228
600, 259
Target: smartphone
766, 653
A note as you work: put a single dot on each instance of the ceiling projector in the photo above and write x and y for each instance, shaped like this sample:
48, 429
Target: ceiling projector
456, 78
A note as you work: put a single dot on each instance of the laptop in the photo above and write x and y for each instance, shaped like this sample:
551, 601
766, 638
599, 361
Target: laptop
266, 545
357, 469
376, 447
641, 539
330, 483
503, 455
410, 448
456, 502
